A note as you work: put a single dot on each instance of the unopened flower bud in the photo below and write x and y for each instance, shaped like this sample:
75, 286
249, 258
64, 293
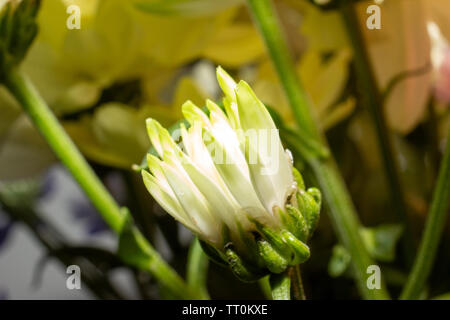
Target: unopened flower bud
231, 182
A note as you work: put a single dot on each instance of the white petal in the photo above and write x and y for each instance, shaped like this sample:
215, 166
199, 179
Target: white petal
237, 179
160, 137
191, 199
192, 113
227, 83
217, 195
270, 168
169, 203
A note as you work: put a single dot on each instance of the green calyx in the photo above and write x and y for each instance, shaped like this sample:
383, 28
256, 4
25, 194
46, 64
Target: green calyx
18, 28
273, 249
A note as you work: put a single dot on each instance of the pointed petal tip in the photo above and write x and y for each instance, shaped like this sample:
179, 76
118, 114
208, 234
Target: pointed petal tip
147, 178
211, 105
150, 122
226, 82
153, 126
152, 160
188, 106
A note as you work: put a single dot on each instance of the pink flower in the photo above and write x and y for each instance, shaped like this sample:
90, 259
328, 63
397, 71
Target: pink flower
440, 60
442, 84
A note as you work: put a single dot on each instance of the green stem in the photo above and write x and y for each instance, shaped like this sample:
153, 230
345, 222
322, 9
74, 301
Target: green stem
62, 145
433, 230
197, 269
342, 211
374, 101
298, 291
280, 285
264, 284
65, 149
265, 17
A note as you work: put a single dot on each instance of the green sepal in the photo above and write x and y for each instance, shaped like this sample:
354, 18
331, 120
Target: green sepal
214, 254
242, 269
298, 178
296, 223
300, 250
339, 261
309, 203
275, 240
272, 259
250, 245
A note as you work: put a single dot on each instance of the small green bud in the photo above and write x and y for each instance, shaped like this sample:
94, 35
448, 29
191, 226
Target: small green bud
309, 203
296, 223
300, 250
275, 262
299, 179
274, 238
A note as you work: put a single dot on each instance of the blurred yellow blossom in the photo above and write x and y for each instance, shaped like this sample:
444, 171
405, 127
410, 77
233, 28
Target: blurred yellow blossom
119, 43
115, 135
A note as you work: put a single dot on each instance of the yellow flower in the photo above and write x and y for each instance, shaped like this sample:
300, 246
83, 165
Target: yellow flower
118, 43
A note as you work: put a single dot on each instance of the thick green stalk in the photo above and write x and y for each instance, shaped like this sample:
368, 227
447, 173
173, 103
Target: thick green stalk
374, 101
433, 231
65, 149
342, 211
264, 284
280, 284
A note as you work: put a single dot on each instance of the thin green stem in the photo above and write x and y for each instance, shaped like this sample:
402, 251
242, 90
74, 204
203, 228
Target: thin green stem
265, 17
298, 292
197, 269
65, 149
372, 98
342, 211
433, 231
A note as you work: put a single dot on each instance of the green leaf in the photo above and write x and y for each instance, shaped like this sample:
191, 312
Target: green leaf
381, 241
339, 261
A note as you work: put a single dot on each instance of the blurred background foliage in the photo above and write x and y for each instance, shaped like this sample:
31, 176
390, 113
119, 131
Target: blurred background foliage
136, 59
